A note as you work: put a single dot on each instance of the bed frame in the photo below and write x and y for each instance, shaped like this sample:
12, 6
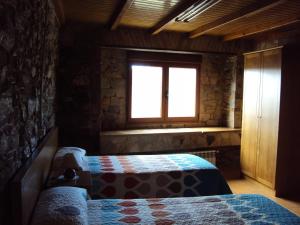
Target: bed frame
30, 180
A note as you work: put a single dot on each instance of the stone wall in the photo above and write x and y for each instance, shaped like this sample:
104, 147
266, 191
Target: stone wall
113, 89
219, 93
233, 92
212, 87
239, 85
28, 55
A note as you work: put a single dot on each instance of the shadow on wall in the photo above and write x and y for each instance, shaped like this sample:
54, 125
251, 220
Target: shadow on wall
78, 86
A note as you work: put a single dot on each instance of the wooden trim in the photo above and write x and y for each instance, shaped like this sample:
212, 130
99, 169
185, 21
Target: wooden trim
59, 11
129, 87
31, 178
170, 18
258, 30
251, 10
119, 13
266, 183
165, 98
162, 58
150, 50
263, 50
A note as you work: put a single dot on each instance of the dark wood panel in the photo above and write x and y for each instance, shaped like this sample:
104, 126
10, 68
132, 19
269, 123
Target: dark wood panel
138, 38
288, 156
92, 11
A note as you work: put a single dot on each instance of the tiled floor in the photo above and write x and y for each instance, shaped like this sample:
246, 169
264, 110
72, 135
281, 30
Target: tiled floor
249, 186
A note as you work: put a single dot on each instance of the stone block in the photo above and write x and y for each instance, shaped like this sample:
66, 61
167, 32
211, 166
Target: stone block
105, 92
105, 83
118, 84
205, 117
113, 109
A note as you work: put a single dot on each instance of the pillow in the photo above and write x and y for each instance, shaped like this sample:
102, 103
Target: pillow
63, 160
64, 150
61, 205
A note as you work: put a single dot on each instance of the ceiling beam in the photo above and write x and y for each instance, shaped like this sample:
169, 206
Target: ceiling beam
179, 8
59, 11
119, 13
260, 29
251, 10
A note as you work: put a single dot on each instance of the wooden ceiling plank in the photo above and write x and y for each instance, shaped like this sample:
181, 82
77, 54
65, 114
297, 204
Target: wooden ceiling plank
59, 11
260, 30
248, 11
119, 13
179, 8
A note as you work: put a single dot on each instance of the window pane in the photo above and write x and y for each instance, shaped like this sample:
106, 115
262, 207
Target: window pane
146, 94
182, 92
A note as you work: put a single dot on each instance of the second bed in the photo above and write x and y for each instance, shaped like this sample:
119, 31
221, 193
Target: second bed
151, 176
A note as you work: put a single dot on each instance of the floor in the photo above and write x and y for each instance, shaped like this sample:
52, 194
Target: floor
247, 185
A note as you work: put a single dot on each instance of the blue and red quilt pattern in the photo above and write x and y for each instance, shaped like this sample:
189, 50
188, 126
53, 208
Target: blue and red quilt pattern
154, 176
211, 210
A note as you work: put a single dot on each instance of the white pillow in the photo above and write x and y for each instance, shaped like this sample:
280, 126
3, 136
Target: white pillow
64, 150
76, 162
61, 205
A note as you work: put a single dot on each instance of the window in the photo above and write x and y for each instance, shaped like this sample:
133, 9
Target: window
163, 92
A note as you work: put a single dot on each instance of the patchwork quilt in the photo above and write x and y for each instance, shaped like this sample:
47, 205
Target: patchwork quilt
211, 210
152, 176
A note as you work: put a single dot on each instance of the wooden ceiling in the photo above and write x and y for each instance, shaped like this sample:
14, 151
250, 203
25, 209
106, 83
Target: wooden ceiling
231, 19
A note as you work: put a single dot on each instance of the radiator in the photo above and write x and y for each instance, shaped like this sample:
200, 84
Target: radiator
209, 155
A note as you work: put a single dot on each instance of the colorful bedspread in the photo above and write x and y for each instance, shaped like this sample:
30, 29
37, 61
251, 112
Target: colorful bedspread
151, 176
211, 210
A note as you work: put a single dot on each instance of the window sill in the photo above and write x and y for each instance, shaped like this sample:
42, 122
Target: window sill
169, 131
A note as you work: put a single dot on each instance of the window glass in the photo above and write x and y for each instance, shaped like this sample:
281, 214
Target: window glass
146, 91
182, 92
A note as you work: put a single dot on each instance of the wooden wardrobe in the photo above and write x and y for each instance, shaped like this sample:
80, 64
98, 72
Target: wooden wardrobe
270, 146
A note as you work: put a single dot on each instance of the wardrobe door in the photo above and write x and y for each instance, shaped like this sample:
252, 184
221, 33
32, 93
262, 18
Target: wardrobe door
269, 116
249, 142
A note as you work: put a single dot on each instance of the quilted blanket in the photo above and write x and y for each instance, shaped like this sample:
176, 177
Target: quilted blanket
150, 176
211, 210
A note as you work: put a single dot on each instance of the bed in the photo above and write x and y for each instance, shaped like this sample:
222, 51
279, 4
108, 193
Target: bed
149, 176
142, 176
67, 205
71, 206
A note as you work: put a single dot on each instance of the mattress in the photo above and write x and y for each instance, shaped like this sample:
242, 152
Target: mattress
210, 210
151, 176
